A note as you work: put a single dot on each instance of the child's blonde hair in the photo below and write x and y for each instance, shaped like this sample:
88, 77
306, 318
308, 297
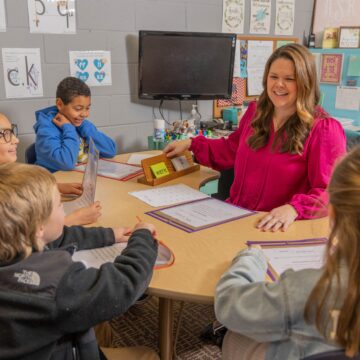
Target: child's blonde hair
26, 202
344, 193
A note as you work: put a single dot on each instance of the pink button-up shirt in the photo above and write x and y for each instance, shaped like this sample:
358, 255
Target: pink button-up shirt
265, 178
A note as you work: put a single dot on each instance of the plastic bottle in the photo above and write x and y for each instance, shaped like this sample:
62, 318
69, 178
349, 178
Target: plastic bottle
195, 118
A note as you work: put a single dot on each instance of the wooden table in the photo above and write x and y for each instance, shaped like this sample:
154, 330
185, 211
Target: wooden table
200, 257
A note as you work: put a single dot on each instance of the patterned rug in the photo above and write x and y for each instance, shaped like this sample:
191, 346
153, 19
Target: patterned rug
139, 326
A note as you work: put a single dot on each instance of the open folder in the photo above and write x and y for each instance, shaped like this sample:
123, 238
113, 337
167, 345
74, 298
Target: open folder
292, 254
96, 257
87, 197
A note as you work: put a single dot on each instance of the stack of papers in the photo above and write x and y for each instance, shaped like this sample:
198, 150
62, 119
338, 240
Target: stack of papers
96, 257
292, 254
168, 195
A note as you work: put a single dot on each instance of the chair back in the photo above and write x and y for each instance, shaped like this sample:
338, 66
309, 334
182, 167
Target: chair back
331, 355
352, 138
30, 154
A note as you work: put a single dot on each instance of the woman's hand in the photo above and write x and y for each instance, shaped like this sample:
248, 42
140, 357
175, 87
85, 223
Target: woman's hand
85, 215
177, 147
279, 218
70, 188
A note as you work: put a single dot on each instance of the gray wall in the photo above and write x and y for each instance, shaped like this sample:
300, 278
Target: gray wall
114, 26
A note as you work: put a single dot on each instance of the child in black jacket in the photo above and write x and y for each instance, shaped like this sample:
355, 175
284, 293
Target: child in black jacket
45, 297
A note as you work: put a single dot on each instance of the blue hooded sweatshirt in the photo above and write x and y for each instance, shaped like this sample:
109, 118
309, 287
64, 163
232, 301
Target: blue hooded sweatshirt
58, 148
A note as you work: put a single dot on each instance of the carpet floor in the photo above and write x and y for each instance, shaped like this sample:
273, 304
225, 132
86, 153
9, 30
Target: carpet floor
139, 326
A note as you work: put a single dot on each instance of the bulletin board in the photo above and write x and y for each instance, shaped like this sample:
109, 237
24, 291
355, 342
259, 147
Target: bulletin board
329, 91
239, 94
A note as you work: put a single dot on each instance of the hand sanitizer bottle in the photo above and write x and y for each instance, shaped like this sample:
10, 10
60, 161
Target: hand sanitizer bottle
195, 118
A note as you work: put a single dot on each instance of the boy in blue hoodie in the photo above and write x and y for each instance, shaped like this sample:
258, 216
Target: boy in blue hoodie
62, 131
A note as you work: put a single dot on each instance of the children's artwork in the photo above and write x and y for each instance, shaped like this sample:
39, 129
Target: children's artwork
285, 12
233, 16
260, 16
2, 16
237, 95
331, 68
92, 67
243, 58
22, 72
52, 17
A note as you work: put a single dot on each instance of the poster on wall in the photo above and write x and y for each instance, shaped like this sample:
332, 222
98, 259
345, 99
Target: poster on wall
92, 67
2, 16
233, 16
260, 16
331, 68
22, 72
52, 17
284, 19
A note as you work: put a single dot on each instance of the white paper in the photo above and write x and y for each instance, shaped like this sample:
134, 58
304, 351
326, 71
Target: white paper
52, 17
233, 16
92, 67
135, 159
237, 60
258, 54
22, 72
296, 258
204, 213
89, 183
113, 169
260, 16
96, 257
347, 98
168, 195
284, 21
2, 16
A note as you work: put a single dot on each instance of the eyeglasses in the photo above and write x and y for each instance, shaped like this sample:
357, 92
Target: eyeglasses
7, 134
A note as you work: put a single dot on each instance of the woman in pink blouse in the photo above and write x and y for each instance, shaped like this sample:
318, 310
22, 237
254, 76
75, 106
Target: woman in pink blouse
285, 147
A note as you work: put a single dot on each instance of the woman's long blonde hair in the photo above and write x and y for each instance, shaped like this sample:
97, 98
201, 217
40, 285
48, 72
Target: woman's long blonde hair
26, 202
344, 193
294, 132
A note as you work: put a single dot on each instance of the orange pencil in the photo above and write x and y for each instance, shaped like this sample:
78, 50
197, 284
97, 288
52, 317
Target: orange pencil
138, 219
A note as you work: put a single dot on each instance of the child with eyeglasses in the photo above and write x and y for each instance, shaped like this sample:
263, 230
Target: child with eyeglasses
8, 154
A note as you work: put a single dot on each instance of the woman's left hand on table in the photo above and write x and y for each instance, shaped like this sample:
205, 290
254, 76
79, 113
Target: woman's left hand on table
279, 218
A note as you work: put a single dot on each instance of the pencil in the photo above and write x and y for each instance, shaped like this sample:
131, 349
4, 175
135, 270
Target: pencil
138, 219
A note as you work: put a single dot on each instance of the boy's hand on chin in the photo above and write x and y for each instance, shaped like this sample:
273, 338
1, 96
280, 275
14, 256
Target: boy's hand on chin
59, 120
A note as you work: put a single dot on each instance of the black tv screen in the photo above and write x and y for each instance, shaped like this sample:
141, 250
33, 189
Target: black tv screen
185, 65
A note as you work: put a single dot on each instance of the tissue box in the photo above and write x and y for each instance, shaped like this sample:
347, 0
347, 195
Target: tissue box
230, 114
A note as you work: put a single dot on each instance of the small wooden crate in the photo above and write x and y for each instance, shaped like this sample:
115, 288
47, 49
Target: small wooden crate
150, 179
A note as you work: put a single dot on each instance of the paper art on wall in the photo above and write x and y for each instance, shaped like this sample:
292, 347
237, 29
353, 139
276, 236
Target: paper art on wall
2, 16
237, 95
260, 16
243, 58
331, 68
92, 67
22, 72
233, 16
52, 17
284, 20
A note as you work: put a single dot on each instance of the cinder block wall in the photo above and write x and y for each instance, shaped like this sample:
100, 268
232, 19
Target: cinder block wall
113, 25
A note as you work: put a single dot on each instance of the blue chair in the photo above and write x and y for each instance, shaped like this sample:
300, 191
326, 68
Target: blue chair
30, 154
352, 138
331, 355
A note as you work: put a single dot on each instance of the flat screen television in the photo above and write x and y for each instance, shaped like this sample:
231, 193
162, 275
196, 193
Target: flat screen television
185, 65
